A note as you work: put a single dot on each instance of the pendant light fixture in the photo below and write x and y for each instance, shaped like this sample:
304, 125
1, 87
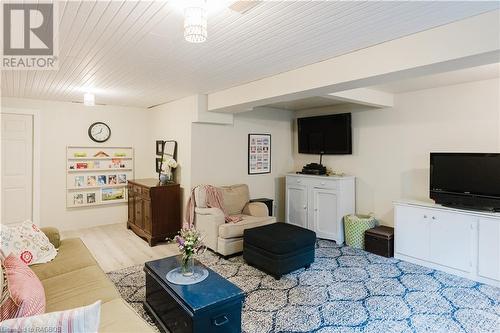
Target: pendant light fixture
195, 21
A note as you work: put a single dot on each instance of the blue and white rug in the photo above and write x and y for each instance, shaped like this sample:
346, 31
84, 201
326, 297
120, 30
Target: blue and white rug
349, 291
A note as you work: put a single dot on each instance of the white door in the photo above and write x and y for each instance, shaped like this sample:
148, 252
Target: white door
17, 168
325, 215
489, 249
411, 232
451, 240
296, 205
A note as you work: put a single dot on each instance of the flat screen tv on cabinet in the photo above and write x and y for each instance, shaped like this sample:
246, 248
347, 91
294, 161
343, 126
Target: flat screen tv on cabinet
467, 180
330, 135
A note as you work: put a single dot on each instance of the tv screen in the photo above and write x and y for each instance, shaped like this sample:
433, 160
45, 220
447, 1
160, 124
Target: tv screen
465, 173
325, 134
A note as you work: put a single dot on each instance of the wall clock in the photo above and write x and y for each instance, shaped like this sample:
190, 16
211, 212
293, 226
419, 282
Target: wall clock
99, 132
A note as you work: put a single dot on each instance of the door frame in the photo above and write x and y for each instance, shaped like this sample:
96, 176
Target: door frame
35, 197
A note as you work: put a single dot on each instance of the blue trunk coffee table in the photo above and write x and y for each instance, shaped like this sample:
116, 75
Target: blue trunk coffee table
213, 305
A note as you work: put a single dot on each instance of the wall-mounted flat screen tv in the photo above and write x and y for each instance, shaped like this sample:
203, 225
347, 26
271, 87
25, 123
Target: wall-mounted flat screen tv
329, 135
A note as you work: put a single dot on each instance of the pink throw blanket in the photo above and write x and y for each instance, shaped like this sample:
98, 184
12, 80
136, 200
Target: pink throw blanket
214, 199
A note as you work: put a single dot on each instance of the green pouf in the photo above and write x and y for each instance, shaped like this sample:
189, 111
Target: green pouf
355, 227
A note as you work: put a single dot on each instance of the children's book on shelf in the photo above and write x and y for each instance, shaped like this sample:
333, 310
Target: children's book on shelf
91, 181
109, 194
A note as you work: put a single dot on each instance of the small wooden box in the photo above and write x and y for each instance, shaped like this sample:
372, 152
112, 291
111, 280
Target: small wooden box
380, 240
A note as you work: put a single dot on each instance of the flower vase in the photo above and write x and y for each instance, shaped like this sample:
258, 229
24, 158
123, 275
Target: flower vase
187, 266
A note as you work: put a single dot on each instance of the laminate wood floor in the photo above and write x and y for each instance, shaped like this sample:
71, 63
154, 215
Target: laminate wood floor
116, 247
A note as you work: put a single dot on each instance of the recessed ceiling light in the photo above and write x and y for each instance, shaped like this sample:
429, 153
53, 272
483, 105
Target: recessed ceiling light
89, 99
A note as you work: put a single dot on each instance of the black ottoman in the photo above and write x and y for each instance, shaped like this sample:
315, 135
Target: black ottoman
279, 248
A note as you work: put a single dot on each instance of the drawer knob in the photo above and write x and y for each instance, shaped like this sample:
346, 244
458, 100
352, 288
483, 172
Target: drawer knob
305, 207
433, 217
323, 183
299, 181
425, 216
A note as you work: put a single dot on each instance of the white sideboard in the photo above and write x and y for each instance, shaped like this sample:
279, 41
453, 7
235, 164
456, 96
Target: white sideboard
319, 203
461, 242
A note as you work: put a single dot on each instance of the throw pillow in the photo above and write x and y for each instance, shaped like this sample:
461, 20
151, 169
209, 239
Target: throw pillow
25, 296
80, 320
27, 242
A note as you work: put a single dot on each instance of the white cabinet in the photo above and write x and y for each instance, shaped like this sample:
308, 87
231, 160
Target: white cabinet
325, 212
460, 242
488, 265
319, 203
296, 203
412, 239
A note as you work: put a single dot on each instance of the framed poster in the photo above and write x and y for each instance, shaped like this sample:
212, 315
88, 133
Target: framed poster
259, 154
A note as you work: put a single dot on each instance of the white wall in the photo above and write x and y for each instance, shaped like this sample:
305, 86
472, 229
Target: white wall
391, 146
172, 121
220, 153
64, 124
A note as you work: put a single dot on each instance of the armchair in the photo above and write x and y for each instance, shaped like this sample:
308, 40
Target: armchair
227, 238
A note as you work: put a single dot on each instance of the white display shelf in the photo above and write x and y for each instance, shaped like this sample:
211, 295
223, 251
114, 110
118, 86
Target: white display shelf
83, 188
99, 170
99, 158
108, 202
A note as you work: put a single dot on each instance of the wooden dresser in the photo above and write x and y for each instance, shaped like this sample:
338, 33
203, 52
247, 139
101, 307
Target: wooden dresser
154, 211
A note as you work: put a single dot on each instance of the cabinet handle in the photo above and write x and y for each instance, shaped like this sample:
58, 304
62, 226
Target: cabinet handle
433, 217
323, 183
299, 181
305, 207
224, 320
425, 216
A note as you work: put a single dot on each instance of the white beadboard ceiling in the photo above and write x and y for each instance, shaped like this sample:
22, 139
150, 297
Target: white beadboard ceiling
133, 53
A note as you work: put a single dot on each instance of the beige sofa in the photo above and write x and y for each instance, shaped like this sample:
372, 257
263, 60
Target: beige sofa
74, 279
227, 238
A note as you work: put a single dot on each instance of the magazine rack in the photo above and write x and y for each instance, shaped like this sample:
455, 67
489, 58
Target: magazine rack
97, 175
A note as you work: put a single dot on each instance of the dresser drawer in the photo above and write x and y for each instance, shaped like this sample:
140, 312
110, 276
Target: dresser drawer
326, 183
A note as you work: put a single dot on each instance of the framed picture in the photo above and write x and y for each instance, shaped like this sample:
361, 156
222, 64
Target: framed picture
159, 147
158, 164
259, 154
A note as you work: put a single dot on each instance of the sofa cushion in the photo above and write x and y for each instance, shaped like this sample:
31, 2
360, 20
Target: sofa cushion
117, 316
280, 238
235, 198
73, 255
232, 230
27, 242
82, 286
25, 291
79, 320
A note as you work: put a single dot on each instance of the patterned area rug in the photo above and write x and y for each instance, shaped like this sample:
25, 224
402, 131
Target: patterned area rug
347, 290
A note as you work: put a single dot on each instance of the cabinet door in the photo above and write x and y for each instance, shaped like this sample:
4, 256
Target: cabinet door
138, 212
489, 248
296, 205
325, 216
146, 206
131, 196
451, 237
411, 234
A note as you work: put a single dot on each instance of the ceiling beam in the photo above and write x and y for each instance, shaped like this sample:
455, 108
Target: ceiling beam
467, 43
364, 96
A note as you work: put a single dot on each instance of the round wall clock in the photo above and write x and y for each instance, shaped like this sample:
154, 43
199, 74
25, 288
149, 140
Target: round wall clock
99, 132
